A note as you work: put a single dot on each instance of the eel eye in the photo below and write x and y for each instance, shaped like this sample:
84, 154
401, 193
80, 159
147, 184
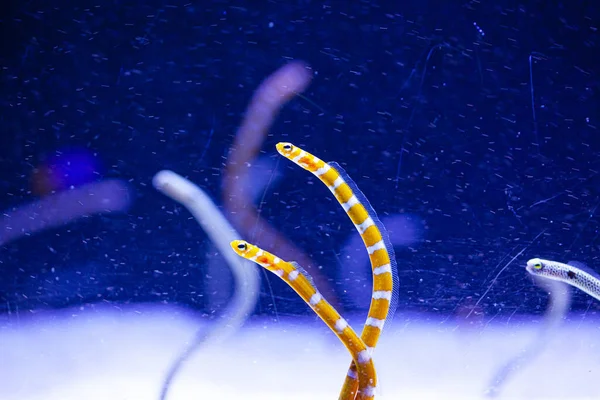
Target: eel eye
242, 246
537, 265
287, 147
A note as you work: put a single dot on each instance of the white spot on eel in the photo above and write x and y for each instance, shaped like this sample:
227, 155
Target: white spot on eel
322, 170
337, 183
377, 246
377, 323
382, 294
350, 203
352, 374
315, 299
340, 325
370, 391
383, 269
293, 275
364, 356
362, 227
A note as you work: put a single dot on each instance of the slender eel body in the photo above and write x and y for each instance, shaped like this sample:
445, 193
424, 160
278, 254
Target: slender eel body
558, 306
381, 253
221, 233
573, 273
300, 281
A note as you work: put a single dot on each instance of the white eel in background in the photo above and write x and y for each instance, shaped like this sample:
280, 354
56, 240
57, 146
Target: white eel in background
221, 233
61, 208
554, 277
560, 300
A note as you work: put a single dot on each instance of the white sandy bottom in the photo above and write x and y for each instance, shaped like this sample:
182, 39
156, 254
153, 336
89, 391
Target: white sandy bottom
124, 354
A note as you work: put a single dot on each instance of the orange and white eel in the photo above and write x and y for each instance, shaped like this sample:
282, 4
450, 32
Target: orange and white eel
299, 280
384, 299
361, 379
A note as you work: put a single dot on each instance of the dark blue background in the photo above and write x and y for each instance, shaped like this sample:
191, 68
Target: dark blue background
143, 83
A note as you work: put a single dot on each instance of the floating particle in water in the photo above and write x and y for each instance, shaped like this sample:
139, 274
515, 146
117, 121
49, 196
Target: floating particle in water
481, 32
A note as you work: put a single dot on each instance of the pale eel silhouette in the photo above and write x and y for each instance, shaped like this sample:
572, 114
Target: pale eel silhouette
63, 207
221, 233
272, 94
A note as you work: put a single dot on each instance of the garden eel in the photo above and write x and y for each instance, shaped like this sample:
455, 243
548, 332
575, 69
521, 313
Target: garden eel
360, 381
271, 95
558, 305
299, 280
376, 239
553, 276
63, 207
574, 273
220, 232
